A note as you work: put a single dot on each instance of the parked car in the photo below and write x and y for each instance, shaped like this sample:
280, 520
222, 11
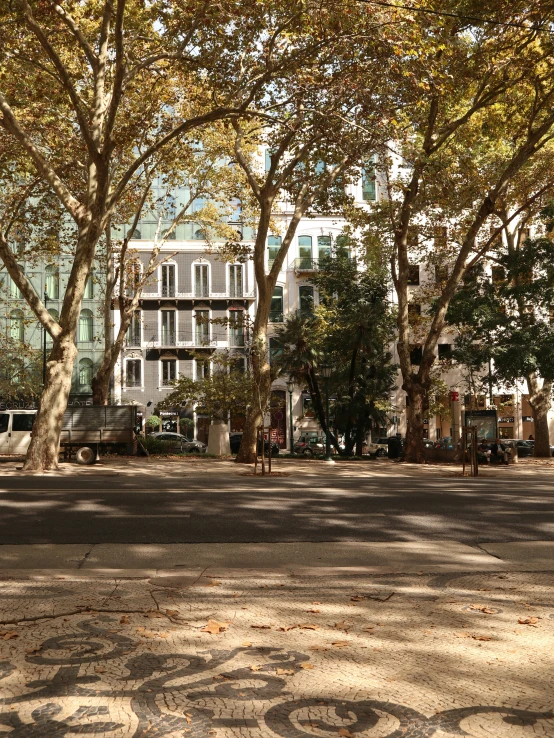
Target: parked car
309, 446
524, 448
531, 443
236, 438
181, 443
379, 447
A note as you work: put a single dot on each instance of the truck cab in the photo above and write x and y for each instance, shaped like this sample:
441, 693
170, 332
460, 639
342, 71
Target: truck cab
15, 431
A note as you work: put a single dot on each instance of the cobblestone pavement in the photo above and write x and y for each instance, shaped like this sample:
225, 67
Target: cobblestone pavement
379, 656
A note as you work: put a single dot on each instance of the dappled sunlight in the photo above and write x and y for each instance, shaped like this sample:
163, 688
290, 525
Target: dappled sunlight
282, 655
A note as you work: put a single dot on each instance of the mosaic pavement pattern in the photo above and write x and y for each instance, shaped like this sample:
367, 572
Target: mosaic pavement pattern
388, 656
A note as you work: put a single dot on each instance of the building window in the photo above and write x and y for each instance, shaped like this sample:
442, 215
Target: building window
416, 355
445, 351
323, 247
135, 235
89, 289
306, 299
17, 325
201, 280
15, 292
276, 307
235, 280
168, 327
273, 246
275, 351
236, 328
86, 326
169, 372
305, 252
238, 364
368, 180
202, 327
413, 274
440, 236
133, 337
133, 373
267, 160
85, 372
168, 280
414, 311
441, 273
52, 282
202, 369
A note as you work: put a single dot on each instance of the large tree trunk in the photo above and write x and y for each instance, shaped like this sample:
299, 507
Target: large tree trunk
43, 453
261, 375
539, 399
418, 402
101, 386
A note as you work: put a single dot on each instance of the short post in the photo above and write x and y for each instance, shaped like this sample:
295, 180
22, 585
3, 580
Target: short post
326, 371
269, 449
290, 387
44, 332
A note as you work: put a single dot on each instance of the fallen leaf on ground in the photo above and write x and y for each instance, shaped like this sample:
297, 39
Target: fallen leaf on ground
308, 626
214, 583
340, 644
343, 625
7, 635
282, 672
247, 643
255, 667
99, 670
475, 637
284, 627
264, 627
314, 611
315, 602
528, 621
318, 648
154, 614
482, 608
214, 627
124, 619
356, 598
306, 666
33, 650
172, 613
369, 628
345, 732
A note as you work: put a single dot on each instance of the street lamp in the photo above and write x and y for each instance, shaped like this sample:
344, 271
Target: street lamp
44, 343
290, 387
326, 370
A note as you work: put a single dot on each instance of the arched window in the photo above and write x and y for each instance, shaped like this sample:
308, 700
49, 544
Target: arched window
135, 235
85, 372
52, 282
17, 325
199, 235
86, 326
276, 308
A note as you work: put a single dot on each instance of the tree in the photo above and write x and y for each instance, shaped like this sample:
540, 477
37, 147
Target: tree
475, 113
507, 319
313, 150
349, 329
200, 172
224, 391
107, 88
20, 369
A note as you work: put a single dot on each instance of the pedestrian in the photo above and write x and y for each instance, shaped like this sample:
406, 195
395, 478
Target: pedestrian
531, 437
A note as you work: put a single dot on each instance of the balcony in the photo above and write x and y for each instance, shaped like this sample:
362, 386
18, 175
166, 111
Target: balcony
231, 294
194, 340
304, 264
133, 341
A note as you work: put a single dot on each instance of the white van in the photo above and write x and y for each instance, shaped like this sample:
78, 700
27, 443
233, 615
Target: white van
15, 430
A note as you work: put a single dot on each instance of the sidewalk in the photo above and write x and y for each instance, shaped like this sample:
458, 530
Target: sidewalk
276, 654
245, 641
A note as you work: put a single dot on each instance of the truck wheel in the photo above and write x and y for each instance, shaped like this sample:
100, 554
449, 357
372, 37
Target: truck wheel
308, 452
85, 456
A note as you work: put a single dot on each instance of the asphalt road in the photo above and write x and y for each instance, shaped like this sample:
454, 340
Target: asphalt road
205, 508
